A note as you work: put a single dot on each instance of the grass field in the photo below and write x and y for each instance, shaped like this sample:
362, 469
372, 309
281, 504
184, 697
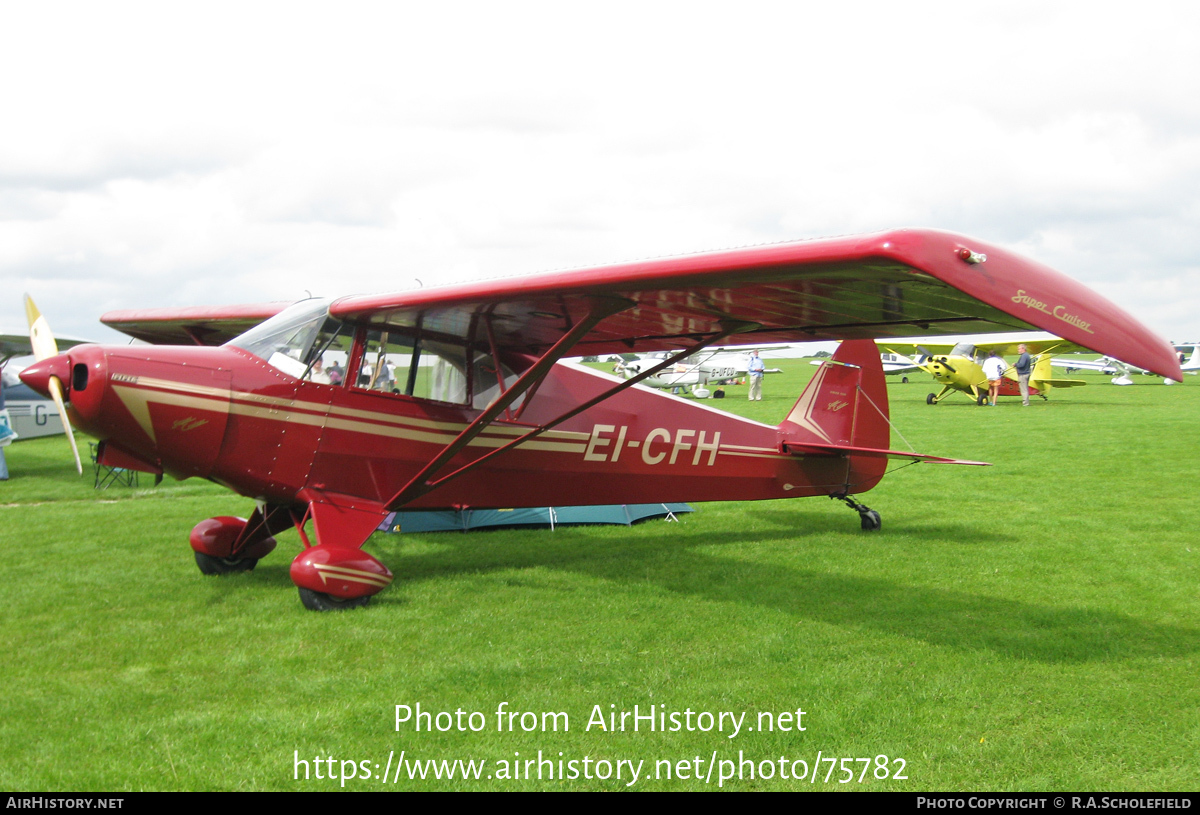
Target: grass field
1034, 625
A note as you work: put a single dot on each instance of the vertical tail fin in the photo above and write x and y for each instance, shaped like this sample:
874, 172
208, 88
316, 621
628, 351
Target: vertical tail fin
844, 412
845, 403
1041, 369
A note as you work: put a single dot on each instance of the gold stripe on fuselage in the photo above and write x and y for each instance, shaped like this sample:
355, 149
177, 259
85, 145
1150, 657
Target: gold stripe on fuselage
178, 394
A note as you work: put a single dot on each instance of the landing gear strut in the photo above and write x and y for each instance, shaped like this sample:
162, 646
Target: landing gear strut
871, 521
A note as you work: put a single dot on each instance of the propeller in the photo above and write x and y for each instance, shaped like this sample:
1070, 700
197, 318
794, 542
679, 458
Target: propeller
945, 364
44, 347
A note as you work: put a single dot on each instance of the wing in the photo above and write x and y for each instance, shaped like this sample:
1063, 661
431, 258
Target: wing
16, 344
1005, 345
890, 368
201, 325
1035, 344
901, 283
919, 347
1103, 366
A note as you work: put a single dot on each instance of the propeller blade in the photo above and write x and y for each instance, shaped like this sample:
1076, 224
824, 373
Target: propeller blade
44, 347
57, 395
944, 362
40, 336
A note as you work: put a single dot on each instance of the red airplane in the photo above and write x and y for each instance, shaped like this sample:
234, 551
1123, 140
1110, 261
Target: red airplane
453, 397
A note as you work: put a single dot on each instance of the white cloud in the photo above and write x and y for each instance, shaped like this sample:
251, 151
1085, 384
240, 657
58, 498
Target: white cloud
164, 154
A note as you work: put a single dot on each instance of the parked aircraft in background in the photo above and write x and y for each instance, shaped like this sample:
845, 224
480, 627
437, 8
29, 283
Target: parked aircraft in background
1189, 357
695, 373
895, 364
958, 366
497, 423
29, 414
1121, 373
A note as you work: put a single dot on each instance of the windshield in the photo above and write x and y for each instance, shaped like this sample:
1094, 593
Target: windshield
963, 349
288, 341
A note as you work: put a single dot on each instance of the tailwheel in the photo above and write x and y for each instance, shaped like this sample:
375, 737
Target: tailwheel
319, 601
224, 565
871, 522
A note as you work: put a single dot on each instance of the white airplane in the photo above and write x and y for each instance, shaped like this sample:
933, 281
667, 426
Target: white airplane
896, 364
1189, 363
719, 365
25, 414
30, 414
900, 365
1189, 357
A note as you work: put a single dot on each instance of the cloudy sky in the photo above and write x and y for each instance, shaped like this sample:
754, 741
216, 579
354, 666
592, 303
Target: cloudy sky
159, 154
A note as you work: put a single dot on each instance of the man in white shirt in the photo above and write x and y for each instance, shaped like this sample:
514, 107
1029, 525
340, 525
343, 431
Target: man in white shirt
756, 369
993, 369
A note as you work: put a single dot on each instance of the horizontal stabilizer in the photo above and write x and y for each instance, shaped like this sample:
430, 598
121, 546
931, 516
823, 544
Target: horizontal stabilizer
811, 449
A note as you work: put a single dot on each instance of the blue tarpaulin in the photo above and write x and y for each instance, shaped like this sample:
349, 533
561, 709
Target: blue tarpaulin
449, 520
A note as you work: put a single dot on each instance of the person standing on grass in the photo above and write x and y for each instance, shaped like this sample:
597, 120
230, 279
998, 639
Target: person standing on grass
756, 369
1024, 368
993, 369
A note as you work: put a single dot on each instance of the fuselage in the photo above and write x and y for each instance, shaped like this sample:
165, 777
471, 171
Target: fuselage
227, 415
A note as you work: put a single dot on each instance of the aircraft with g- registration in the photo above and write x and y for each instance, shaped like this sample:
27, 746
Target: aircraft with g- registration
718, 366
478, 411
957, 363
23, 413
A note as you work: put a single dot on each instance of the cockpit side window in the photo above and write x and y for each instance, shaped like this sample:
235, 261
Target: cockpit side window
405, 362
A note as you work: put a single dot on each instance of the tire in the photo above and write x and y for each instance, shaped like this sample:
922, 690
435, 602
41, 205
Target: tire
871, 522
931, 399
904, 380
982, 399
316, 601
219, 565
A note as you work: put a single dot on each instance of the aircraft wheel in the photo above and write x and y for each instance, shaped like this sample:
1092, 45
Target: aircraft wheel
982, 399
904, 380
871, 521
317, 601
931, 399
223, 565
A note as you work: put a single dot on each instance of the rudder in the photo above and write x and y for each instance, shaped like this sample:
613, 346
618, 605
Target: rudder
845, 404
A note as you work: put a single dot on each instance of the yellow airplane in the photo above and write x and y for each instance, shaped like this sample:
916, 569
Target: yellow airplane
958, 365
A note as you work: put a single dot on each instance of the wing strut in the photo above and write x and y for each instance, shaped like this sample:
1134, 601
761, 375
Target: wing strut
601, 308
415, 487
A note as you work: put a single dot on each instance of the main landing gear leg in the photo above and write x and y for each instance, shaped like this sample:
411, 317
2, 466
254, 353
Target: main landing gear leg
871, 521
